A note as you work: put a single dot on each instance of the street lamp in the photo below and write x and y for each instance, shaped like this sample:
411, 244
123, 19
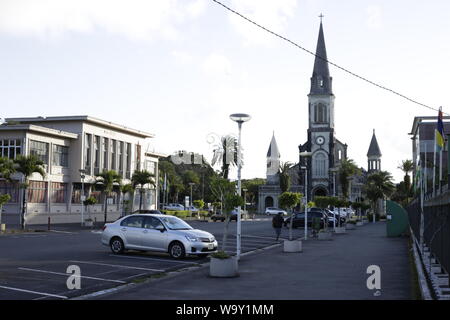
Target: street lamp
240, 118
82, 197
306, 154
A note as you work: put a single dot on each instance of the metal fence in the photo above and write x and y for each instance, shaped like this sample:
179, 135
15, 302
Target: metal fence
436, 229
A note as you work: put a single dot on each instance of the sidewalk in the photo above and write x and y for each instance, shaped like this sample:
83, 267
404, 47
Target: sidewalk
324, 270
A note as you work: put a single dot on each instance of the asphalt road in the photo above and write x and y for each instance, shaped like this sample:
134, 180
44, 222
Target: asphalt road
34, 265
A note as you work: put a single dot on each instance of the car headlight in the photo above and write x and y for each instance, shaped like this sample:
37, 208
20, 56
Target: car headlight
192, 238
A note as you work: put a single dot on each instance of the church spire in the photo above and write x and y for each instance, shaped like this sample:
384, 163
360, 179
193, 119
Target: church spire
321, 80
374, 149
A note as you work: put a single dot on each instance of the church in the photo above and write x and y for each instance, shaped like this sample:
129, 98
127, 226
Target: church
325, 151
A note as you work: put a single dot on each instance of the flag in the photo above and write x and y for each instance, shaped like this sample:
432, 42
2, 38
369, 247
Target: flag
440, 132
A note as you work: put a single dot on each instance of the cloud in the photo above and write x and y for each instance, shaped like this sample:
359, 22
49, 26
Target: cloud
217, 65
135, 19
374, 20
271, 14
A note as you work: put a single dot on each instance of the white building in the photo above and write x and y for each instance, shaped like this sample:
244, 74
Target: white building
66, 145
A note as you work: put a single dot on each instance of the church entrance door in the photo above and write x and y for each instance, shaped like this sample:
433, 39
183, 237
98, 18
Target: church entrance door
268, 202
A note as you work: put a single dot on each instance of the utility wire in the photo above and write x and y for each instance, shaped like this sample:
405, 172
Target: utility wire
332, 63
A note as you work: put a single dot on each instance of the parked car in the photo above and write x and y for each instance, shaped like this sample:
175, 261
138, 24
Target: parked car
221, 217
334, 216
148, 211
174, 207
192, 208
274, 211
299, 219
159, 233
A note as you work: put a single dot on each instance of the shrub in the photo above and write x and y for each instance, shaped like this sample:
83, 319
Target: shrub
370, 217
220, 255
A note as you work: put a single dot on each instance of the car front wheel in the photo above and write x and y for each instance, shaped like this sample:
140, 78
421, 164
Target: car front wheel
117, 245
176, 250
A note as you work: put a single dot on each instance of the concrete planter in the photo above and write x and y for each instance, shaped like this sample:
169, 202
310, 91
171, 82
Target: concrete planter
223, 268
88, 223
339, 230
350, 226
359, 223
325, 235
292, 246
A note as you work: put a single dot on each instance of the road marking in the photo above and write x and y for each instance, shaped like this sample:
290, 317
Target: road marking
35, 292
154, 259
116, 266
66, 275
59, 231
134, 276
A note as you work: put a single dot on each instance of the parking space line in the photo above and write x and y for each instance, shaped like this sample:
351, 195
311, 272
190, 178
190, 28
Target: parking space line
66, 274
59, 231
116, 266
35, 292
154, 259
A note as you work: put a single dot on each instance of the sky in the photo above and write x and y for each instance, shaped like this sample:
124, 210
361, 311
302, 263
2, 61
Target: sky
179, 68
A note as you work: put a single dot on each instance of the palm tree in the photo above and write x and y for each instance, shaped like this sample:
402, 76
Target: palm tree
106, 180
124, 189
6, 168
285, 178
141, 178
379, 186
226, 154
347, 169
407, 166
27, 165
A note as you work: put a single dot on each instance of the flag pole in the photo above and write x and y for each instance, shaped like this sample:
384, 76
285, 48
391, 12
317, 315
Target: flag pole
434, 165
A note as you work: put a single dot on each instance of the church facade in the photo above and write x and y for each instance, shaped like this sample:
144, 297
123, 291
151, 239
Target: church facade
320, 166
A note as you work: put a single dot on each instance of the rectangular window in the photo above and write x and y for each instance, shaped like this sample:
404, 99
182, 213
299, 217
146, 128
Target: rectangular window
87, 153
150, 166
11, 188
120, 155
60, 156
138, 157
40, 150
105, 153
59, 192
96, 155
113, 154
10, 148
128, 161
37, 192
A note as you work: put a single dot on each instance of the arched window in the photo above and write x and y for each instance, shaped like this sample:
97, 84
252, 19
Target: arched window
320, 113
320, 165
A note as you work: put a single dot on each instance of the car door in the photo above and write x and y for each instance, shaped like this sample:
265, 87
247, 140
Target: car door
152, 236
131, 229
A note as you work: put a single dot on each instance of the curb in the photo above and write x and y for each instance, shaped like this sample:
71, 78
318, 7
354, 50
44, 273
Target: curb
423, 284
169, 275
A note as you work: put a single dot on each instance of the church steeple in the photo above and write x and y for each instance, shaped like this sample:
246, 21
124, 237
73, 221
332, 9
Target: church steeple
321, 80
374, 155
273, 162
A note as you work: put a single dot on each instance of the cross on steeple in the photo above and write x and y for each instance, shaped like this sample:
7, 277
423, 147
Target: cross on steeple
321, 16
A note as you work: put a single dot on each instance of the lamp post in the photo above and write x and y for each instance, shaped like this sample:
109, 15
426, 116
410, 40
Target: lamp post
240, 118
82, 197
306, 154
245, 199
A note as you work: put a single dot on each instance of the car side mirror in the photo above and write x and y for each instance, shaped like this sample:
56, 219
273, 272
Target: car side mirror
161, 228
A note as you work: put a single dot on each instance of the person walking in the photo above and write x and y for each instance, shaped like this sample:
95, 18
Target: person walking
277, 224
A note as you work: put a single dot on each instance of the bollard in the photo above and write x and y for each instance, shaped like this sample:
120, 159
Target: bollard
48, 224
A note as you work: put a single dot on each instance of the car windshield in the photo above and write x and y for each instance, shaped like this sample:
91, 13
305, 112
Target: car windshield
174, 223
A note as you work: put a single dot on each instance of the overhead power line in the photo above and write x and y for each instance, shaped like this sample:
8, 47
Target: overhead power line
330, 62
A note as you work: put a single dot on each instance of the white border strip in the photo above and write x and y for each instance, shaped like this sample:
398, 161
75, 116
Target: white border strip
67, 275
35, 292
116, 266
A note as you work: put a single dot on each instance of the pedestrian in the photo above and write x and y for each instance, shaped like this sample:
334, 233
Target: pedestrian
277, 224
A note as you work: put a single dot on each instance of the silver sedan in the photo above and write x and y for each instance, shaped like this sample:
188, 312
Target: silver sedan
160, 233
